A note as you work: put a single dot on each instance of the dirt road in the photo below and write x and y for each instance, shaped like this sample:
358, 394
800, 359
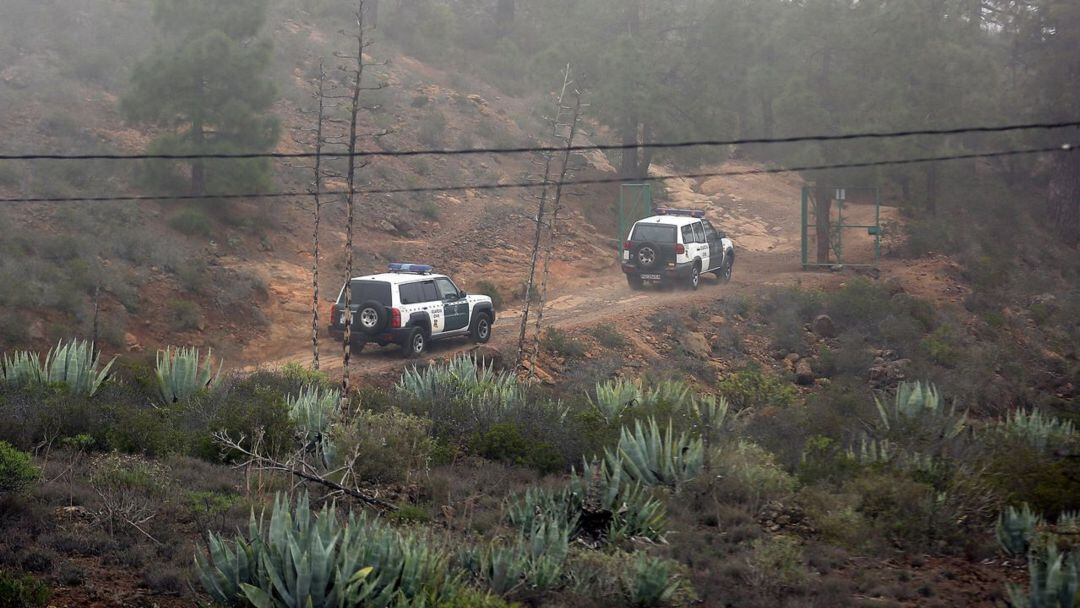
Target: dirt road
760, 212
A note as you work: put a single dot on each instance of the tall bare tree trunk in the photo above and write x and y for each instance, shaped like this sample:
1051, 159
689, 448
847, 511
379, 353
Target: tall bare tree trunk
198, 166
553, 229
541, 217
354, 111
317, 192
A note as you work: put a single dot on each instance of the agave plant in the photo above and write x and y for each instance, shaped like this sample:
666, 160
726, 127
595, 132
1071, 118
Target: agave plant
1015, 529
709, 415
538, 505
674, 395
300, 560
634, 511
1039, 431
1068, 522
503, 569
652, 582
74, 364
1052, 580
615, 396
313, 411
180, 374
652, 457
297, 561
546, 547
23, 368
918, 410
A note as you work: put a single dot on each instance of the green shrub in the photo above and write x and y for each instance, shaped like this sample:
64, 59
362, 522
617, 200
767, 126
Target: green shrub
382, 447
22, 591
430, 210
777, 562
192, 222
432, 128
492, 291
752, 388
16, 472
608, 336
131, 490
751, 475
180, 376
185, 315
562, 344
505, 443
248, 409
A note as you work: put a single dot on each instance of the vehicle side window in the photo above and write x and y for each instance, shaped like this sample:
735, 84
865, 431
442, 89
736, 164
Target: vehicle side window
699, 233
411, 293
447, 290
687, 234
710, 232
431, 293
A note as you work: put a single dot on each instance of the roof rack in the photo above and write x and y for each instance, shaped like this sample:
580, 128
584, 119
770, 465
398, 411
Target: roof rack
697, 213
411, 268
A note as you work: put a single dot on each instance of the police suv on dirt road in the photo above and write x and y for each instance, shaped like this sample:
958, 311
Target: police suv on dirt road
676, 245
410, 306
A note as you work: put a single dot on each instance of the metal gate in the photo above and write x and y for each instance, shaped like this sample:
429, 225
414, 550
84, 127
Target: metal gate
635, 203
852, 228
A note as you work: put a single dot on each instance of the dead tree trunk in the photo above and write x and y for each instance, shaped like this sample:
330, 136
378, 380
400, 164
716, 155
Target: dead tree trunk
350, 180
317, 193
541, 212
553, 228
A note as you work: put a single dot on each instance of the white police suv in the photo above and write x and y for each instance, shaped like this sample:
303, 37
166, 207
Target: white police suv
676, 245
410, 306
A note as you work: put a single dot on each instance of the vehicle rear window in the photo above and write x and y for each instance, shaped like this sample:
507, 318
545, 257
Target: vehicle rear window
363, 291
412, 293
657, 233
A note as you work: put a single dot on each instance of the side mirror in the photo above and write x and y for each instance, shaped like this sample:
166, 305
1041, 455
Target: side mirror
462, 295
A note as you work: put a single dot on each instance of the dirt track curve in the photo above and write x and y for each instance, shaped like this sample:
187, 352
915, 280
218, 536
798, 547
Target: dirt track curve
760, 213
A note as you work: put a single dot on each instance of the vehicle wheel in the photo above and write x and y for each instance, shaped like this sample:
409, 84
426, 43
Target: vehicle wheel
371, 318
695, 277
635, 282
416, 344
481, 329
725, 270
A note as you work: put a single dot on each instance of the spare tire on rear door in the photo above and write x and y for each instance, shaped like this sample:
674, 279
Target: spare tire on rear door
646, 255
372, 317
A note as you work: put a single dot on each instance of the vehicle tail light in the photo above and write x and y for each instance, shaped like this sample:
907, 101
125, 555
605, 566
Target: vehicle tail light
626, 245
333, 315
395, 318
680, 249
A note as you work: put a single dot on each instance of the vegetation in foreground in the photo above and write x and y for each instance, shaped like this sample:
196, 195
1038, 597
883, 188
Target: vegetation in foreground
487, 491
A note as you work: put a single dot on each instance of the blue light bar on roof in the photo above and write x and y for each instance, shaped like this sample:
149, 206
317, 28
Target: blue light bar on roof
698, 213
417, 268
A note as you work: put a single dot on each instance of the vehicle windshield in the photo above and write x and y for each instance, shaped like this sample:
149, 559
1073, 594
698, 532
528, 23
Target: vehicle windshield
363, 291
657, 233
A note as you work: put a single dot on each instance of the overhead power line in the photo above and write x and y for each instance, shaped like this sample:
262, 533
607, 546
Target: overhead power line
581, 182
548, 149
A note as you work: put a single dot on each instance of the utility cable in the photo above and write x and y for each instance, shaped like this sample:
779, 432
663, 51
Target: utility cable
555, 149
580, 182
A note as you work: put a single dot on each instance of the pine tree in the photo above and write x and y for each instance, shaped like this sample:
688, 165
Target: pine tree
206, 85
